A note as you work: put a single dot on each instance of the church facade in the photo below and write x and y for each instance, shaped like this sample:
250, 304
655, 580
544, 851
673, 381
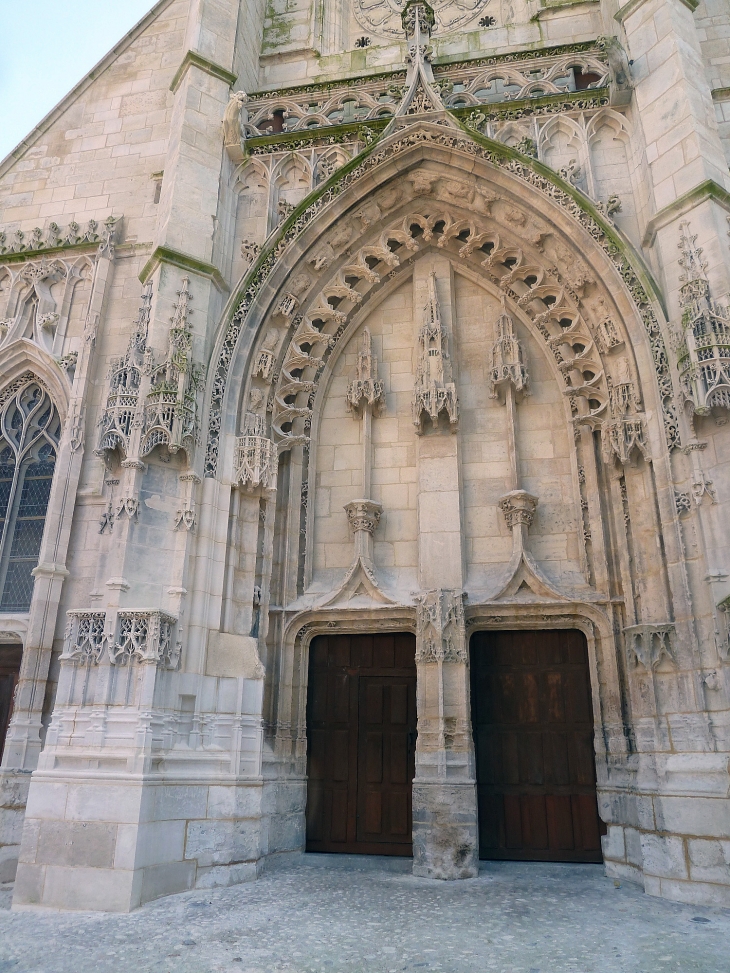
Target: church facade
364, 470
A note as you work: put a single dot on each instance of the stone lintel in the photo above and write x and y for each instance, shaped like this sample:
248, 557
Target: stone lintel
183, 261
684, 204
194, 59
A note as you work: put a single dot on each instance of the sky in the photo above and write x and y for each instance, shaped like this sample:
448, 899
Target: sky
46, 47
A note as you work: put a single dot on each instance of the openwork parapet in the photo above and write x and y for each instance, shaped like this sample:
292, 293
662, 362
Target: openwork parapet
131, 636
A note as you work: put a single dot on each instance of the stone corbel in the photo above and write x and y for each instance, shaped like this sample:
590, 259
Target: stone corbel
648, 645
185, 516
619, 69
234, 121
518, 507
624, 439
363, 517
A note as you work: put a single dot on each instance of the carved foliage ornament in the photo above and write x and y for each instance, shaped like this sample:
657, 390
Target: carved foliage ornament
440, 627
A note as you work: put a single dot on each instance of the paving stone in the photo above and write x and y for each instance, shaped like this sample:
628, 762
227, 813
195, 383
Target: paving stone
352, 914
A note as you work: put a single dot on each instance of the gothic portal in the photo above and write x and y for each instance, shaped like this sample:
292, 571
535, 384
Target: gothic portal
364, 448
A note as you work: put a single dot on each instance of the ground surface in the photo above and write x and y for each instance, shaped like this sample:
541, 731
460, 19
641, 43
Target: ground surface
344, 914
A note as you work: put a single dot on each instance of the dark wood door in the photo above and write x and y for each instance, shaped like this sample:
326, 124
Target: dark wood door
10, 656
533, 733
361, 728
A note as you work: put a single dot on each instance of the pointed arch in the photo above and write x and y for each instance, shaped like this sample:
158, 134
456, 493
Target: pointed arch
23, 357
563, 207
30, 435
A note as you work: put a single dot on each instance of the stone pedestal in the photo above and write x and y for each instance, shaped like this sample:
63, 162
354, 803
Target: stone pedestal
445, 833
151, 779
14, 785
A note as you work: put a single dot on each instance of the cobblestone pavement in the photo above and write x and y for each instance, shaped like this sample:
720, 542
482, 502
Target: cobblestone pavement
345, 914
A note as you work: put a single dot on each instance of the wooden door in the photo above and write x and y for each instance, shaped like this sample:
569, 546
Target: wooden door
533, 733
10, 656
361, 728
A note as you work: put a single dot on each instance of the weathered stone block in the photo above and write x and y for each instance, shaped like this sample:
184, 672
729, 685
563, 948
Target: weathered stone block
8, 862
223, 842
693, 816
221, 876
709, 861
663, 856
159, 880
445, 839
76, 844
239, 801
634, 853
613, 844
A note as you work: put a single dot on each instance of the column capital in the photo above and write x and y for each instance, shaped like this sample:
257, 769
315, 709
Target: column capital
518, 507
363, 515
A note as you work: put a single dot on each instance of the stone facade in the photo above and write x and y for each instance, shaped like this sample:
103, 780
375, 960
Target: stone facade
366, 319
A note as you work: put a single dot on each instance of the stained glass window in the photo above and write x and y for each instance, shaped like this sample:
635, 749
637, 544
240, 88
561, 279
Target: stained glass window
30, 428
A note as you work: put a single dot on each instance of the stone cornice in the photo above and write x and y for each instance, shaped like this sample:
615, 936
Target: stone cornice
19, 151
633, 5
684, 204
184, 261
193, 59
720, 94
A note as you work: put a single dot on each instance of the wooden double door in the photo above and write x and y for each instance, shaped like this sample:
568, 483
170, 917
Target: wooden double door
533, 732
361, 729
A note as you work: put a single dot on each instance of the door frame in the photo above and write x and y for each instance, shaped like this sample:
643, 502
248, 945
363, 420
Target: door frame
525, 852
292, 676
597, 628
288, 696
8, 651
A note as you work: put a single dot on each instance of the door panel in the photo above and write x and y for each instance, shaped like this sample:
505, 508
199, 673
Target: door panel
361, 726
533, 734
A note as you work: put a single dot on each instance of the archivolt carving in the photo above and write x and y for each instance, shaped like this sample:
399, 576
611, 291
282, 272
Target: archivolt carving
549, 302
530, 279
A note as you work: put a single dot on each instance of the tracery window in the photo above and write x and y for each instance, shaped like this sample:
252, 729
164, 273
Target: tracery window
30, 428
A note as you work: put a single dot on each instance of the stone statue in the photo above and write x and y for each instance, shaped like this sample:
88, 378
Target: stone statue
232, 127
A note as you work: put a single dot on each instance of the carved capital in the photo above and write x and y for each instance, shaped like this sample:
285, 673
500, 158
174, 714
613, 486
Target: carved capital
518, 507
363, 515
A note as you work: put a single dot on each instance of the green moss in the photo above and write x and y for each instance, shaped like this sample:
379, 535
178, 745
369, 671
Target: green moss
337, 132
183, 261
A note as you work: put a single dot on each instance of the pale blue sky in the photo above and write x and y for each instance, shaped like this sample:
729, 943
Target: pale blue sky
46, 47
